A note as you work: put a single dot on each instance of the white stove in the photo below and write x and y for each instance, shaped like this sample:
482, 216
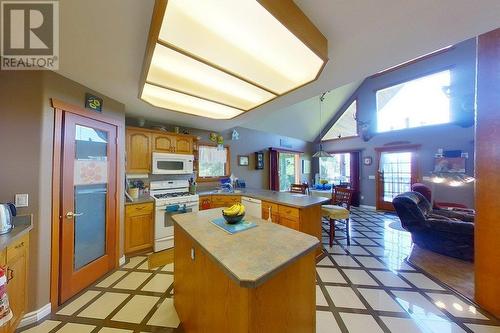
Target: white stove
171, 197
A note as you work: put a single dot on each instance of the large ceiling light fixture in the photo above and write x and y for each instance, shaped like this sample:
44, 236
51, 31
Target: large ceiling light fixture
221, 58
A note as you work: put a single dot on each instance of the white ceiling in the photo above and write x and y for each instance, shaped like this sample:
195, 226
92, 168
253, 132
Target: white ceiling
102, 46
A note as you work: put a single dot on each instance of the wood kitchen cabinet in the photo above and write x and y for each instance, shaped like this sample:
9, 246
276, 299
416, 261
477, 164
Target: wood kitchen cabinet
139, 148
268, 207
15, 259
141, 143
139, 226
224, 200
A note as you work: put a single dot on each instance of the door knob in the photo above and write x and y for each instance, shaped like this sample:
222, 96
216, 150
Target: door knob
70, 215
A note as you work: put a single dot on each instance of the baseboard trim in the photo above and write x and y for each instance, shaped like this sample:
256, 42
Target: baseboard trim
121, 262
368, 207
34, 316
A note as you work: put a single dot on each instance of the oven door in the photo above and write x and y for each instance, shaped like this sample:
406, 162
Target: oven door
164, 222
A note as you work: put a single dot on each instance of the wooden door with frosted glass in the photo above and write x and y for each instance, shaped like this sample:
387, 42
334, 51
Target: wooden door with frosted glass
88, 205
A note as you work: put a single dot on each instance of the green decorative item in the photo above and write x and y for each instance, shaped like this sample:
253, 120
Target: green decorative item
220, 140
213, 137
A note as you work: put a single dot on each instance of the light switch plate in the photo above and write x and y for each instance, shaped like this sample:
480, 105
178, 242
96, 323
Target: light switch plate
22, 200
371, 177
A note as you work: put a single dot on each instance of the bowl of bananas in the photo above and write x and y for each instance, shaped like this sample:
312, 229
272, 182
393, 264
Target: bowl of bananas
234, 214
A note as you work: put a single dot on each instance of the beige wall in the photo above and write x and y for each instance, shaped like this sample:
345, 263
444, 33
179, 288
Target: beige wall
26, 142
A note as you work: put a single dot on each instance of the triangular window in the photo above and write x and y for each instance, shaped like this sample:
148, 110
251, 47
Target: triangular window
345, 126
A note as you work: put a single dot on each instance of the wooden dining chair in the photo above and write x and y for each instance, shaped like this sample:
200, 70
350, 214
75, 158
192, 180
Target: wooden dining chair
338, 211
298, 188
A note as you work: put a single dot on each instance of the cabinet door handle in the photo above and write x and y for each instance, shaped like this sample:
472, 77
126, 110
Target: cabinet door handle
19, 245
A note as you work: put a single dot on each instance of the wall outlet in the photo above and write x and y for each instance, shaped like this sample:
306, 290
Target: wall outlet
21, 200
371, 177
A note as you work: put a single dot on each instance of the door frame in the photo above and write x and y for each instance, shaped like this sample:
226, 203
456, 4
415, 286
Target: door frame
396, 148
60, 108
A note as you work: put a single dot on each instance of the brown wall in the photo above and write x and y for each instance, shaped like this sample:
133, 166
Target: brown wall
26, 138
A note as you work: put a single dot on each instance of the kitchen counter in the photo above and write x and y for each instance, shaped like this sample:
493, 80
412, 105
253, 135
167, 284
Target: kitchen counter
283, 198
243, 282
140, 200
249, 257
22, 225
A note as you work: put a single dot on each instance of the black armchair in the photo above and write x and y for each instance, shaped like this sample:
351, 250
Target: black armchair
451, 237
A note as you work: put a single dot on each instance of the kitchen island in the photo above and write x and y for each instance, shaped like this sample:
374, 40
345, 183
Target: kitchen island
258, 280
296, 211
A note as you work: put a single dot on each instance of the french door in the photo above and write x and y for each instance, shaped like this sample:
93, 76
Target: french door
88, 206
397, 171
289, 170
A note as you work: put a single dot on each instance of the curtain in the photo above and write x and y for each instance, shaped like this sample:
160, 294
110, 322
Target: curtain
212, 154
274, 179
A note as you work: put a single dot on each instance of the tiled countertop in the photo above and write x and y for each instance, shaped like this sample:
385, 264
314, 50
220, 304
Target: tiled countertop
22, 225
249, 257
284, 198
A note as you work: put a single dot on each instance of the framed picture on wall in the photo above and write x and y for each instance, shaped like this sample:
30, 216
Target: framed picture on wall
259, 160
243, 160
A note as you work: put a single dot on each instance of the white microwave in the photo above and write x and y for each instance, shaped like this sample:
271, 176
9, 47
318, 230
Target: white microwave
172, 164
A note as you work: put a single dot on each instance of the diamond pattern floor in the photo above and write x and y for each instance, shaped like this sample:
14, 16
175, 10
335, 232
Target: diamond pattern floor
365, 287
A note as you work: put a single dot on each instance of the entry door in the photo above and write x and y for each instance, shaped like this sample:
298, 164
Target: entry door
88, 212
397, 172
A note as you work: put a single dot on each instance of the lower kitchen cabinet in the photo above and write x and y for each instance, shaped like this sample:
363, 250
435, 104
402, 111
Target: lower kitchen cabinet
216, 201
139, 227
15, 260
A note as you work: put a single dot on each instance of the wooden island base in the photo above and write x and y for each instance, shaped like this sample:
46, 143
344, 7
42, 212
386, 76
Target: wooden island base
208, 300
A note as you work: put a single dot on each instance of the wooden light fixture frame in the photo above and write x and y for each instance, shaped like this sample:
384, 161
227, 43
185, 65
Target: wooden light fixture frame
285, 11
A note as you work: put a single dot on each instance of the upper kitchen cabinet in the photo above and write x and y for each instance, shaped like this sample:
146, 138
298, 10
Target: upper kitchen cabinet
141, 143
164, 143
184, 145
139, 150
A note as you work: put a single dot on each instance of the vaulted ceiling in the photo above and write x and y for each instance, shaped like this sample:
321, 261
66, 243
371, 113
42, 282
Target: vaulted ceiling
102, 46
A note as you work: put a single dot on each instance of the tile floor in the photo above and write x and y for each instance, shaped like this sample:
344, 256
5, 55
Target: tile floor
130, 299
369, 286
365, 287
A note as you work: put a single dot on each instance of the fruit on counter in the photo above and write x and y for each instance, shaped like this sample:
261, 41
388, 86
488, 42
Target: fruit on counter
234, 210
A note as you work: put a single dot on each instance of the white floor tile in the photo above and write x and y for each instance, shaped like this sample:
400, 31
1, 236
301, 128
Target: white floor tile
134, 261
132, 281
76, 328
417, 305
103, 306
168, 268
390, 279
44, 327
75, 305
159, 283
359, 277
327, 274
456, 306
345, 261
476, 328
421, 281
111, 279
337, 249
326, 261
354, 249
359, 323
113, 330
376, 250
165, 315
370, 262
326, 323
136, 309
344, 297
380, 300
320, 298
364, 241
406, 325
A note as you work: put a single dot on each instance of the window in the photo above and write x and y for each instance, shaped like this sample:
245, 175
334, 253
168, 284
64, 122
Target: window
213, 162
336, 169
289, 172
345, 126
420, 102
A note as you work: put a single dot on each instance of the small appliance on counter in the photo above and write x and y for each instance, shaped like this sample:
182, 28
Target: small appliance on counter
7, 212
